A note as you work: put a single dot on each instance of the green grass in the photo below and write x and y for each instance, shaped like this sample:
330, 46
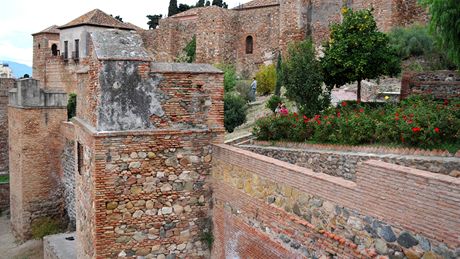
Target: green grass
4, 178
45, 226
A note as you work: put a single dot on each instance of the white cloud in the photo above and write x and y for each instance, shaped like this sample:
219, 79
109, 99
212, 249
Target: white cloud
16, 54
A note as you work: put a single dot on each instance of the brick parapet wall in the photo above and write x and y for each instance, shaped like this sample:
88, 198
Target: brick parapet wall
4, 196
345, 163
364, 149
439, 84
5, 85
388, 202
35, 149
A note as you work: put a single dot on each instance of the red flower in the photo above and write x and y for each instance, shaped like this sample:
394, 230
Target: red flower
361, 110
436, 130
446, 102
411, 115
305, 117
295, 114
317, 117
397, 114
416, 129
338, 114
409, 121
318, 121
344, 104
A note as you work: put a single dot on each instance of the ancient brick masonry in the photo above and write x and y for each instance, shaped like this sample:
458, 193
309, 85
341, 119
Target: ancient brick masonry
440, 84
34, 117
143, 145
222, 34
389, 211
5, 85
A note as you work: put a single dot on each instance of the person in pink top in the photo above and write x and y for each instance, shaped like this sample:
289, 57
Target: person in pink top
283, 111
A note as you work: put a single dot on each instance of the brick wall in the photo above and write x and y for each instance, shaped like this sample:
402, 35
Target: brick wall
5, 85
35, 147
389, 211
42, 53
142, 189
4, 196
440, 84
344, 163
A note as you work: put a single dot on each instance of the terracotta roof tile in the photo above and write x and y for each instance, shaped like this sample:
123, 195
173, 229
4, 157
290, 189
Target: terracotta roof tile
52, 29
97, 17
257, 3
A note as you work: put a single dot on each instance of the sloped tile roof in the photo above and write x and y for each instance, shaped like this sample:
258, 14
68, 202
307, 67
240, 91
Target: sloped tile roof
257, 3
97, 17
52, 29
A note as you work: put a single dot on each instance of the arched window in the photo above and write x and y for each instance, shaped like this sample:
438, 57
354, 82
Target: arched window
249, 45
54, 50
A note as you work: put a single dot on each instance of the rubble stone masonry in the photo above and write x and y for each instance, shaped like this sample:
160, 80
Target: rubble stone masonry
143, 153
282, 209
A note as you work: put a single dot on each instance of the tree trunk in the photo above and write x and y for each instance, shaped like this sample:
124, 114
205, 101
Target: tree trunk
358, 92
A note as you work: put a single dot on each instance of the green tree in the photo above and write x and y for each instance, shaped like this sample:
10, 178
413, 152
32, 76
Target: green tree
279, 75
208, 3
234, 111
184, 7
229, 76
266, 79
356, 51
200, 3
190, 50
72, 106
303, 79
445, 25
154, 20
219, 3
172, 10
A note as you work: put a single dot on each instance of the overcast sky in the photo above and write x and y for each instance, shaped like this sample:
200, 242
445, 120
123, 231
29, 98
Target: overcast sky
20, 18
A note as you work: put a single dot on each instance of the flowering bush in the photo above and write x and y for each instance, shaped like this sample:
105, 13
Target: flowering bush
418, 121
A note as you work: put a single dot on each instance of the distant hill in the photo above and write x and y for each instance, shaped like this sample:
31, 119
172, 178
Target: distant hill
18, 69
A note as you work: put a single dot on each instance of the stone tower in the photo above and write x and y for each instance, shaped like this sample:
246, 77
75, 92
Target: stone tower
34, 117
45, 46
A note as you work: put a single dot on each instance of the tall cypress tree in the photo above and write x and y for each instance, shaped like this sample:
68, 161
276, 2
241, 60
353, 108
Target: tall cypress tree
172, 10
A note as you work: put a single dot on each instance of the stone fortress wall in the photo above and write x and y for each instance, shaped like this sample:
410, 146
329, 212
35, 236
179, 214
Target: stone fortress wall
266, 208
221, 33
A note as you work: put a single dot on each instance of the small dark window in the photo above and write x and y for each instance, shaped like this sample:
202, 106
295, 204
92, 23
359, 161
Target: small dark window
39, 45
249, 45
79, 158
77, 49
54, 50
66, 50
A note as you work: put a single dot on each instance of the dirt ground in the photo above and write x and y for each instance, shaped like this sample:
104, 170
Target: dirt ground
10, 249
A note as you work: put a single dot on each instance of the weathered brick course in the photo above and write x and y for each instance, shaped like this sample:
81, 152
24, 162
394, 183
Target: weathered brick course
387, 203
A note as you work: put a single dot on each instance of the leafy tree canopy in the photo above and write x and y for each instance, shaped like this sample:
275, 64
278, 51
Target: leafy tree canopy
445, 25
154, 20
356, 51
303, 79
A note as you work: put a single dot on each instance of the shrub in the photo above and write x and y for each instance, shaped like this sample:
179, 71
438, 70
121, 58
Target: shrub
291, 127
418, 121
273, 102
4, 178
266, 79
45, 226
303, 79
234, 111
72, 106
190, 50
415, 41
243, 87
229, 76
